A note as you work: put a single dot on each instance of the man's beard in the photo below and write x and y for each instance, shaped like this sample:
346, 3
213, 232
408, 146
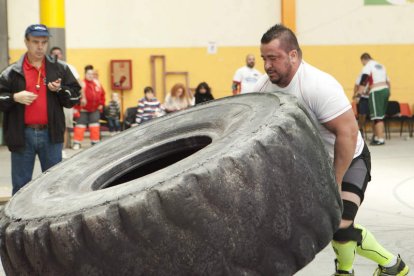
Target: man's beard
281, 77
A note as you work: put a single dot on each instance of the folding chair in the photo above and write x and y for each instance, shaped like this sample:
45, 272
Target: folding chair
129, 117
406, 116
391, 115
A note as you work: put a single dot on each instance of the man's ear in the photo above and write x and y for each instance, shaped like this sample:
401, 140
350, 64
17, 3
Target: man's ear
292, 55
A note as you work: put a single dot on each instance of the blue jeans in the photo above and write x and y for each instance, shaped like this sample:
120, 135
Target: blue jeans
22, 162
113, 124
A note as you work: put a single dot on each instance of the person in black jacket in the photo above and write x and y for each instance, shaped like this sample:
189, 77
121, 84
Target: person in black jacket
203, 93
33, 92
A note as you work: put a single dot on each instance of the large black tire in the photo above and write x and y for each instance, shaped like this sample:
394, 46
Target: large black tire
238, 186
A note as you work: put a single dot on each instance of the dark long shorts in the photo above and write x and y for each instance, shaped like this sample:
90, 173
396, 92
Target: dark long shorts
88, 118
358, 174
363, 106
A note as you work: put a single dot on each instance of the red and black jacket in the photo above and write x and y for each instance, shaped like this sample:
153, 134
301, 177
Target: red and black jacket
12, 81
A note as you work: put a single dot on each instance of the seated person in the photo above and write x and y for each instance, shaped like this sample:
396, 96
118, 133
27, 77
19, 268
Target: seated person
148, 107
178, 99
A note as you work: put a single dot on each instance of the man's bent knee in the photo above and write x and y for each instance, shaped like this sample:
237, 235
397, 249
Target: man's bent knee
347, 231
350, 210
348, 234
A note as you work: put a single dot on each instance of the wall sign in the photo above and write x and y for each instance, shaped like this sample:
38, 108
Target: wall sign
388, 2
121, 74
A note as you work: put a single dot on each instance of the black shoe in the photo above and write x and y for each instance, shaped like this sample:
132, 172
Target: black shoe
399, 269
377, 143
341, 272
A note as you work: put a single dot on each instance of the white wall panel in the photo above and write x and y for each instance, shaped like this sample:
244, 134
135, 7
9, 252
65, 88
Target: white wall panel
20, 14
193, 23
154, 23
345, 22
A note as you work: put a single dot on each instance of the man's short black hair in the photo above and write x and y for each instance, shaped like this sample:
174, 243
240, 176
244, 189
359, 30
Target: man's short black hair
88, 67
287, 38
148, 89
366, 56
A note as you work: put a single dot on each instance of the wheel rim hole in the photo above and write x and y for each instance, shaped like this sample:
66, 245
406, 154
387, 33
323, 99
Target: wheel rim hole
151, 161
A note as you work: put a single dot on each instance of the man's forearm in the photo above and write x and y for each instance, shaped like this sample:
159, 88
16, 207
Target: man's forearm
344, 153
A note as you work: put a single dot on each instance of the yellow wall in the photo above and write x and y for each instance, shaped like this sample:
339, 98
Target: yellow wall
340, 61
343, 63
217, 70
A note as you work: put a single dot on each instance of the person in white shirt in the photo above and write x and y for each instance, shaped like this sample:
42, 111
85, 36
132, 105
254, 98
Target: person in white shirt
362, 105
374, 75
58, 53
246, 77
324, 99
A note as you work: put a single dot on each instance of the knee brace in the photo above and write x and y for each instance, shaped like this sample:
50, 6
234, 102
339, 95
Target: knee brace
350, 210
348, 234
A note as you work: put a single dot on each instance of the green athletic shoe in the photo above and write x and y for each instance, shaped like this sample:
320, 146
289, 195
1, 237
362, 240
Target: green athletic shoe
341, 272
399, 269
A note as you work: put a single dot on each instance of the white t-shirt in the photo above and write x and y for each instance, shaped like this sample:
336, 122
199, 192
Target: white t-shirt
247, 77
376, 73
321, 95
71, 68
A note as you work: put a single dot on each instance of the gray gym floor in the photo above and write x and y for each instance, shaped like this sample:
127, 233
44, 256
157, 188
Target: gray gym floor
388, 209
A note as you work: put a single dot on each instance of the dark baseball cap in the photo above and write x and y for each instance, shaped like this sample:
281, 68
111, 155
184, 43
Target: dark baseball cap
37, 30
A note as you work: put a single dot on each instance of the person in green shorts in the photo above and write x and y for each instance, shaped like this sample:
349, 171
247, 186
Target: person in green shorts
375, 76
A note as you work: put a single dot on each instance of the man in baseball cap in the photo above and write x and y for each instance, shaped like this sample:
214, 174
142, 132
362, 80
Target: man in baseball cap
33, 92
